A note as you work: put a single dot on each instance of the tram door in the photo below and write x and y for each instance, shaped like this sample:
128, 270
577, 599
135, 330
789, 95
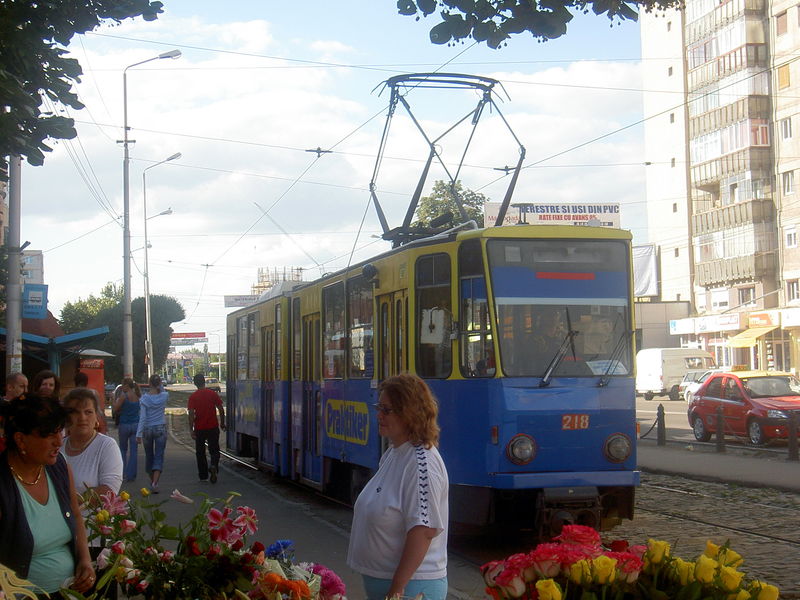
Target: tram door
268, 434
392, 331
311, 419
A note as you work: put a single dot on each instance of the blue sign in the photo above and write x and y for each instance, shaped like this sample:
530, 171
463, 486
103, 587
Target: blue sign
34, 301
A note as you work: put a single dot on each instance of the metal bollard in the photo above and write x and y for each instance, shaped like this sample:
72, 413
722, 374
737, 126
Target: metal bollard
661, 428
720, 435
792, 439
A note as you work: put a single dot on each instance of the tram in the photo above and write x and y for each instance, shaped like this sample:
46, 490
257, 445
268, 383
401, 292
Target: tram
525, 335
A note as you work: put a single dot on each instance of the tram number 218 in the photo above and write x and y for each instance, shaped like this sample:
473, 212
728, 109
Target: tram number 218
574, 421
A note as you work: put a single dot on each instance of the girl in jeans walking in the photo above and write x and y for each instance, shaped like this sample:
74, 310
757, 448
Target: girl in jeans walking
152, 430
126, 405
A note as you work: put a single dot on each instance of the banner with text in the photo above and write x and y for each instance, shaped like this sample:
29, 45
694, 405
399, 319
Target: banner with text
535, 213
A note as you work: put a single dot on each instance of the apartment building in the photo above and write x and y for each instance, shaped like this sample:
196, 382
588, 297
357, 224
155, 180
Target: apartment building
731, 198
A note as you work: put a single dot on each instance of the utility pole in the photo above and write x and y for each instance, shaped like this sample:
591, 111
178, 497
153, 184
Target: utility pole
14, 289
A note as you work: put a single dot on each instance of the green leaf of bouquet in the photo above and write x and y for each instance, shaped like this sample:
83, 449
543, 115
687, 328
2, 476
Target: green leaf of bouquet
168, 532
587, 595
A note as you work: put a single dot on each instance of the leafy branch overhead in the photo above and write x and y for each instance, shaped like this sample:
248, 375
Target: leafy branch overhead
34, 66
495, 21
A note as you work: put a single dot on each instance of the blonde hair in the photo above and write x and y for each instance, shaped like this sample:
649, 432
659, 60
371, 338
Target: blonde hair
415, 405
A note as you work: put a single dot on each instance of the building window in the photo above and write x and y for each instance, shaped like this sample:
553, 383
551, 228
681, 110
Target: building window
719, 299
672, 162
677, 252
781, 23
669, 72
788, 183
792, 290
674, 207
747, 296
784, 80
790, 236
669, 25
671, 117
786, 128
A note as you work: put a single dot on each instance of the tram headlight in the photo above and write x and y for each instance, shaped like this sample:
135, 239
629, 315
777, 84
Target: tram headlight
618, 447
521, 449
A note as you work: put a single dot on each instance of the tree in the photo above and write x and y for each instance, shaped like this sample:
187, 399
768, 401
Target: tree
441, 200
77, 316
33, 65
495, 21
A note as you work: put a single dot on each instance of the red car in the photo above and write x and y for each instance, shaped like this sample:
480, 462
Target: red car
755, 405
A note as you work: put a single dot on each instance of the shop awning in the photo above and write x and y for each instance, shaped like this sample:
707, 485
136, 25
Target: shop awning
747, 339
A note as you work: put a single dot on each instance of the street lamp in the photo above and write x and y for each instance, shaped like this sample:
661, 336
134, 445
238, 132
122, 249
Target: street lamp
127, 320
148, 342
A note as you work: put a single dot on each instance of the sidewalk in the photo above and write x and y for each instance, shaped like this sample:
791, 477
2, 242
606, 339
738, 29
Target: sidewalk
749, 467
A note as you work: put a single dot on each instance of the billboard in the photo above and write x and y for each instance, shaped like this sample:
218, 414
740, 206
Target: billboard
239, 301
595, 214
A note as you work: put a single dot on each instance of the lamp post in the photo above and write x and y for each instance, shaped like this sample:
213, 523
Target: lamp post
127, 320
148, 342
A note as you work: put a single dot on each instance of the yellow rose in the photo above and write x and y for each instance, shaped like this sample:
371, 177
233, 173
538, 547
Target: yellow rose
705, 569
765, 591
125, 496
742, 595
730, 557
712, 550
580, 572
684, 570
605, 569
144, 492
731, 578
548, 590
657, 551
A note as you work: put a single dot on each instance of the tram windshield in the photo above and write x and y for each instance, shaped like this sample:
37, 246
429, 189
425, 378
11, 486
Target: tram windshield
552, 295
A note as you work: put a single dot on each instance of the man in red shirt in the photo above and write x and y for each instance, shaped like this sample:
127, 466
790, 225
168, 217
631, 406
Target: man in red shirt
203, 407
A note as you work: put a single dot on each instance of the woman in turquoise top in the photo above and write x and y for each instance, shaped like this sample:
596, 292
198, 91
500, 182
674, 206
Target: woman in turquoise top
42, 537
152, 430
126, 405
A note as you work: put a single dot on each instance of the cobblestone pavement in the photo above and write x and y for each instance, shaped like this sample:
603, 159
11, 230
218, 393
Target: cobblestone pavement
682, 511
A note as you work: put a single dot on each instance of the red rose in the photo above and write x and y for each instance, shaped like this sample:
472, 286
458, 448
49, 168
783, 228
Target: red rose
257, 547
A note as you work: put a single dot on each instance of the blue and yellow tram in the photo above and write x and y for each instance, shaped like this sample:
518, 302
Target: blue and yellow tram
524, 334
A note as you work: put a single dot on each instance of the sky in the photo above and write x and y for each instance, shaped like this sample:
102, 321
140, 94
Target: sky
260, 83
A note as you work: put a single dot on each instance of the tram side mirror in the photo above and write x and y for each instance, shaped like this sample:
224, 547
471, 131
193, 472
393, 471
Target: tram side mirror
432, 326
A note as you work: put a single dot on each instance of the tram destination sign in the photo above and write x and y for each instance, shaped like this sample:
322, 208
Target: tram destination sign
586, 214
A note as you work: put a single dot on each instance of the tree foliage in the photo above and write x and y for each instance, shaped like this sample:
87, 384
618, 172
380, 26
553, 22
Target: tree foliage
34, 65
495, 21
441, 200
78, 316
107, 310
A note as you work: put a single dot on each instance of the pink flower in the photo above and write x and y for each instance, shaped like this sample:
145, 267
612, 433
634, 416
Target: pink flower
167, 556
246, 520
118, 547
638, 550
221, 526
176, 495
150, 551
628, 565
331, 585
114, 504
142, 585
126, 526
579, 535
491, 570
132, 575
102, 558
106, 530
546, 560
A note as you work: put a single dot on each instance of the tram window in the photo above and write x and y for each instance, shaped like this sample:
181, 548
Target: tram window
241, 348
359, 324
296, 338
254, 352
278, 344
477, 351
334, 332
434, 316
400, 337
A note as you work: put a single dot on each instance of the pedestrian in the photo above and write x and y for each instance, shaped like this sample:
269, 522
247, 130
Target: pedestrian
81, 380
152, 429
93, 456
47, 384
398, 541
42, 535
126, 407
204, 404
16, 385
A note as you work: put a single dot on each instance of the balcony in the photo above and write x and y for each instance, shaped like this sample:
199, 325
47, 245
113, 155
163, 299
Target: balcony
755, 159
749, 55
717, 273
751, 107
721, 15
733, 215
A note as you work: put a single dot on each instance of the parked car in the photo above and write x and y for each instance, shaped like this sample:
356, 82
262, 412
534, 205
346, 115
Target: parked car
693, 380
755, 405
212, 383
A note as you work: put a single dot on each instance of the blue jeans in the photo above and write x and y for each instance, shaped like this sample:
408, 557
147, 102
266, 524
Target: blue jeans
154, 440
129, 450
431, 589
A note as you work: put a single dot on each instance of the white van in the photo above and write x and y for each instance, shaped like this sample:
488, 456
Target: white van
659, 371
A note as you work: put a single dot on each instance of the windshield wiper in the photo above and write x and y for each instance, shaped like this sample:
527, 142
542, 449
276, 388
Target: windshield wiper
620, 346
566, 344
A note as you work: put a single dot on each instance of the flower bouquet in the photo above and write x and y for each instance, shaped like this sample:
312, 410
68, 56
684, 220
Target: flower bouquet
207, 558
578, 566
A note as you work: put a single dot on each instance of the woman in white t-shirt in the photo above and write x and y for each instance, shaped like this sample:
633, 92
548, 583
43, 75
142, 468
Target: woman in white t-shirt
398, 541
95, 458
